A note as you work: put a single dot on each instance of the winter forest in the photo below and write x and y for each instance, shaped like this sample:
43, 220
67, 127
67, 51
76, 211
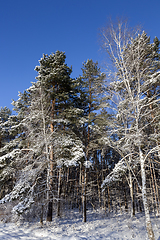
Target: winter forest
87, 143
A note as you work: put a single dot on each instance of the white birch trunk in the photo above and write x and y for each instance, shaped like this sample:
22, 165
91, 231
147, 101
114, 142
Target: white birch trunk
144, 197
131, 194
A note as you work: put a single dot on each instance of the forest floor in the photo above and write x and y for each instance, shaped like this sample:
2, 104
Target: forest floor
70, 227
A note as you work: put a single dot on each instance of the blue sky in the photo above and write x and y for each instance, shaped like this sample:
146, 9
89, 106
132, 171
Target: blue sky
29, 28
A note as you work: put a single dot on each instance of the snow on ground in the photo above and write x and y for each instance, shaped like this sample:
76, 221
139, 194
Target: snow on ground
71, 227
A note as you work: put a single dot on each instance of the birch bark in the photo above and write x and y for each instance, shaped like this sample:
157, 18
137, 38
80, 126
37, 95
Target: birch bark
144, 197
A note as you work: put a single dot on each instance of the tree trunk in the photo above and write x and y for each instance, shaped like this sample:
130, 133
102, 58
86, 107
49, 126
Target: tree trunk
104, 194
49, 211
77, 189
150, 182
139, 201
99, 188
84, 194
125, 199
109, 201
49, 178
119, 198
59, 194
50, 198
156, 189
80, 184
153, 185
144, 197
131, 194
41, 219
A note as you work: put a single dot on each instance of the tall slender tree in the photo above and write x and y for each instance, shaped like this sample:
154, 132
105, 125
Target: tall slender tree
92, 80
135, 73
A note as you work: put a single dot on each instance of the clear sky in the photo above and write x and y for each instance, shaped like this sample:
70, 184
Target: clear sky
29, 28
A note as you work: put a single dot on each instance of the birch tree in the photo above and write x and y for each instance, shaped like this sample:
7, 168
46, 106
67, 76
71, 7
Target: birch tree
135, 73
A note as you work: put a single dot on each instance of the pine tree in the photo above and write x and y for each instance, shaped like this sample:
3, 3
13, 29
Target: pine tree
91, 82
4, 135
5, 138
50, 142
54, 75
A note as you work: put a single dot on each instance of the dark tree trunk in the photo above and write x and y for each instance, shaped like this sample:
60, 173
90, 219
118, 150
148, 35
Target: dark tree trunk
41, 219
59, 194
49, 211
84, 194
